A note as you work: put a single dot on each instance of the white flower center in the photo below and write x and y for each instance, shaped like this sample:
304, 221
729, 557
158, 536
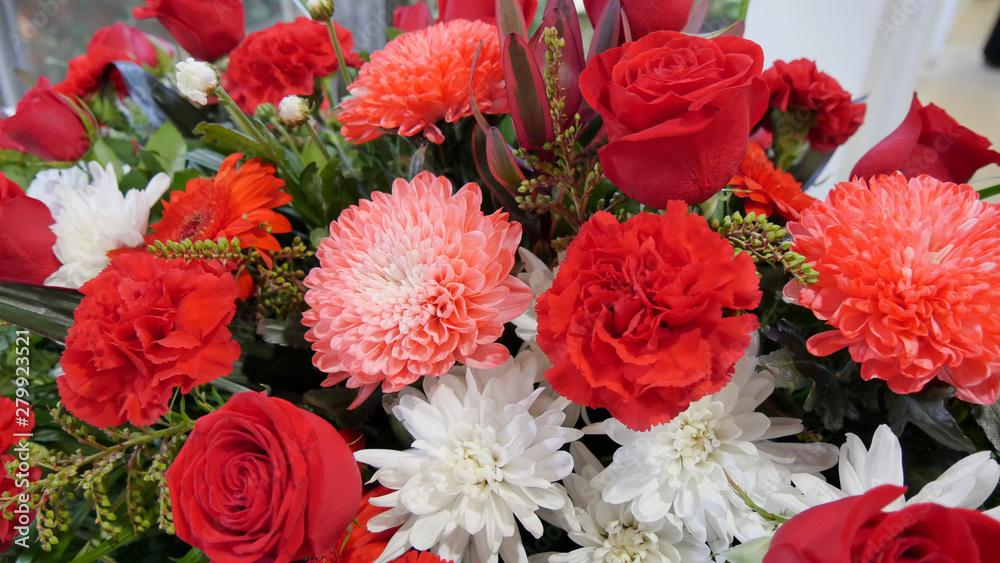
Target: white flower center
471, 464
625, 544
690, 440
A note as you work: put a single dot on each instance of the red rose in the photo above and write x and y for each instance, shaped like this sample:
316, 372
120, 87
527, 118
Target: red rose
207, 30
145, 327
25, 238
855, 529
418, 16
646, 16
117, 42
678, 111
800, 85
284, 59
10, 414
635, 321
928, 142
46, 125
263, 480
11, 487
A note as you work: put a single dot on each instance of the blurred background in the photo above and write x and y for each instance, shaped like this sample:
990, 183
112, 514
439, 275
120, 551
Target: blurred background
882, 50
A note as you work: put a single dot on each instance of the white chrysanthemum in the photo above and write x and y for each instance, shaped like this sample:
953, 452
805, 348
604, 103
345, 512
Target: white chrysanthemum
967, 484
681, 467
47, 183
538, 276
94, 219
197, 80
485, 452
610, 533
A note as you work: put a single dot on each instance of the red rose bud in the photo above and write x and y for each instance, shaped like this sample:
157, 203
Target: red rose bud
856, 529
25, 238
206, 30
928, 142
413, 17
263, 480
117, 42
677, 110
646, 16
46, 125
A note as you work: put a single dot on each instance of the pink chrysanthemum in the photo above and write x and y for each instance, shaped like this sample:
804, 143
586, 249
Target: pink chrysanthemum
908, 277
422, 77
410, 283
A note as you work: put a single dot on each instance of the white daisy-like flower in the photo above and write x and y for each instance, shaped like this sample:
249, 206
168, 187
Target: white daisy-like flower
966, 484
197, 80
484, 453
539, 277
94, 219
681, 467
47, 182
610, 533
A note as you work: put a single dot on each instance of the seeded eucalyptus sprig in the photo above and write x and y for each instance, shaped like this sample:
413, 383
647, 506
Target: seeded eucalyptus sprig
765, 242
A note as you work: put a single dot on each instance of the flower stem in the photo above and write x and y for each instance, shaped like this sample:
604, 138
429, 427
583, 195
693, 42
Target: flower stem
744, 8
340, 54
319, 142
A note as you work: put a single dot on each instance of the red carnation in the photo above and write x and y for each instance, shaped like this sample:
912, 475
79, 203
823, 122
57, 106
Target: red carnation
929, 141
25, 237
284, 59
117, 42
800, 85
11, 414
642, 317
263, 480
11, 486
207, 30
857, 529
145, 327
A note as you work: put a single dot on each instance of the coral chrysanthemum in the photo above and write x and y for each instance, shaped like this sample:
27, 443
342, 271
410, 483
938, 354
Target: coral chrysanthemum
237, 202
766, 188
908, 278
146, 327
422, 77
410, 283
636, 320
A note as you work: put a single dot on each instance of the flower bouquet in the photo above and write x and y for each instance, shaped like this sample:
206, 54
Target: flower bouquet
491, 293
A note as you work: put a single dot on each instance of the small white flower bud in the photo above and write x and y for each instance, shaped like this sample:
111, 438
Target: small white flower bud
293, 110
320, 10
197, 80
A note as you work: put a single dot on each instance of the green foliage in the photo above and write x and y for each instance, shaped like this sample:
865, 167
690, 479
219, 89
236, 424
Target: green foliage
765, 242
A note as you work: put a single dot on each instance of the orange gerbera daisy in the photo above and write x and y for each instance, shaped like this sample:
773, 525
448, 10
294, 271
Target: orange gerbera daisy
765, 187
422, 77
237, 202
908, 280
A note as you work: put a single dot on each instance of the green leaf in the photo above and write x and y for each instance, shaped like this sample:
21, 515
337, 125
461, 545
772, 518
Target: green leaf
169, 146
105, 548
204, 158
230, 140
194, 556
929, 411
988, 417
750, 552
47, 311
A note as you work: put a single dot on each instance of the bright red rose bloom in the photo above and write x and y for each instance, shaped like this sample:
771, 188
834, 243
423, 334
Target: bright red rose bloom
646, 16
117, 42
799, 85
11, 414
357, 544
207, 30
11, 486
678, 111
145, 327
46, 125
284, 59
928, 142
263, 480
640, 318
25, 238
856, 529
